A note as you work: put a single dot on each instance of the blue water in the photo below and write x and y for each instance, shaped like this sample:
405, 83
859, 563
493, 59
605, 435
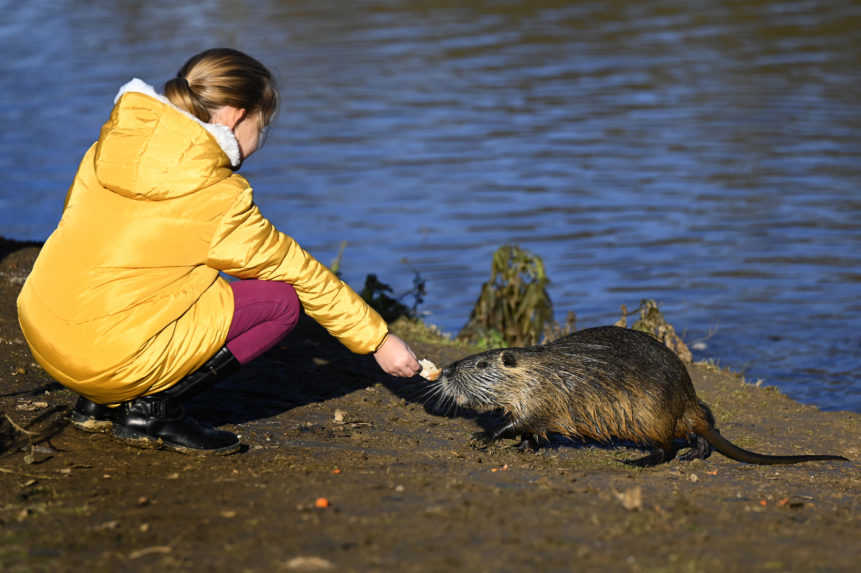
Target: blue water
707, 158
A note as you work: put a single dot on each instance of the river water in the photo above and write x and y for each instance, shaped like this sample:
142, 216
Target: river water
703, 154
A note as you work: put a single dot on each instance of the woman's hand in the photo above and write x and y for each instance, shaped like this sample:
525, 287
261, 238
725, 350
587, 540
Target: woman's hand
396, 358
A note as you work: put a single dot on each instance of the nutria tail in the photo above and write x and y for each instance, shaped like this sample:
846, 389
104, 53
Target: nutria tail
730, 450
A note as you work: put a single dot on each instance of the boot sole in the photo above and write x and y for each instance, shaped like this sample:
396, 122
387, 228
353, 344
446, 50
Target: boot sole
144, 441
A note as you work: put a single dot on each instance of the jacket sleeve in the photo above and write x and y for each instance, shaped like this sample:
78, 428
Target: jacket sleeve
247, 245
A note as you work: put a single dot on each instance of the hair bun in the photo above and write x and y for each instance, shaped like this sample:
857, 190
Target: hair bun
179, 92
181, 82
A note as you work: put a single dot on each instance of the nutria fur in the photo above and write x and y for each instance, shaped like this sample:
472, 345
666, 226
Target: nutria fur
606, 383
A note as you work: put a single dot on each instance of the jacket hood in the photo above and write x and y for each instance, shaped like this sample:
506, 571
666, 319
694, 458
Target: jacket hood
149, 148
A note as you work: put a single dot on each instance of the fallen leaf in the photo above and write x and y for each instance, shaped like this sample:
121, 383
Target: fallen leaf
631, 498
150, 550
309, 564
28, 406
113, 524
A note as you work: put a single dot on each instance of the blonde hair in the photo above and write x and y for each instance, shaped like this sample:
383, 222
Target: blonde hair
219, 77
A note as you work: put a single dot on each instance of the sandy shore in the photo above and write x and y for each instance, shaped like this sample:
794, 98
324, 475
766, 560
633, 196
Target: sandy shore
404, 488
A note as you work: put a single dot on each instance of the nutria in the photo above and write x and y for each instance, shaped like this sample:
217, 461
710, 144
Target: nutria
605, 383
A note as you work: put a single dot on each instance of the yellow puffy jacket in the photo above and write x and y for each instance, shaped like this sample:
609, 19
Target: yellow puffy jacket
125, 297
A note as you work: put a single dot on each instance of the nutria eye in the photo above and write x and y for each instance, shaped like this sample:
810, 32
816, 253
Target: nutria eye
509, 360
482, 364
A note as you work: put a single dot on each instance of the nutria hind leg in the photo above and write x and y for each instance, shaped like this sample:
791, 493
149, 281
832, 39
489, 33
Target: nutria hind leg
653, 459
661, 454
531, 443
700, 449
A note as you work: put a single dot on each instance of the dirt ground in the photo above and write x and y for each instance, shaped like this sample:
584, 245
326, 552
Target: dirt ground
406, 490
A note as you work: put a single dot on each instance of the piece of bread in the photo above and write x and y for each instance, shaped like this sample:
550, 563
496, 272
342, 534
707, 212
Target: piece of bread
430, 371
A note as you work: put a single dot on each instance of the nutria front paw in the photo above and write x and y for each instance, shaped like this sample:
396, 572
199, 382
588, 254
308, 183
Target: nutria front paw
482, 440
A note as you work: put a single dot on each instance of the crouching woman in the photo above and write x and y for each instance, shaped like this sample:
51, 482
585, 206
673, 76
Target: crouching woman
125, 304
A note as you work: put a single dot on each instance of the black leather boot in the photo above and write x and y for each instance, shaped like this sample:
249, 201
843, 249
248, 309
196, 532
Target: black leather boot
219, 366
159, 420
91, 417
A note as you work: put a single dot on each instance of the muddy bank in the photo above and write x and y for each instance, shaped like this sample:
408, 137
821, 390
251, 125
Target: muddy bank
404, 489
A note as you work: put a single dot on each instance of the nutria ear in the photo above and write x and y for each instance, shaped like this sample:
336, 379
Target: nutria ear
508, 359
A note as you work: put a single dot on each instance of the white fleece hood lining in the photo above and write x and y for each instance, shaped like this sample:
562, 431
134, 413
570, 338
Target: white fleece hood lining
222, 134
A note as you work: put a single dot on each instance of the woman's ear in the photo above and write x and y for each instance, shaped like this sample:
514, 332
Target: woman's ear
227, 115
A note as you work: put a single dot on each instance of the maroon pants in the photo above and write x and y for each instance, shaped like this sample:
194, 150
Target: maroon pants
264, 311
